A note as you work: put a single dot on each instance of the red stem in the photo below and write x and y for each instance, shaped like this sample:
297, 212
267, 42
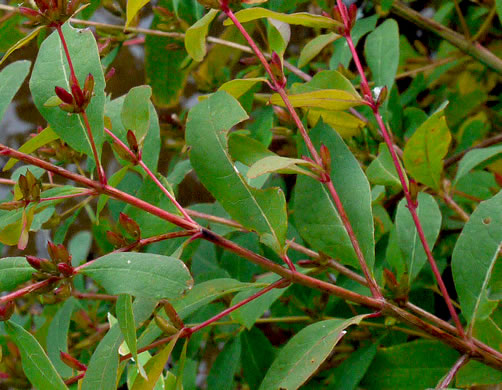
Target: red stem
83, 193
28, 289
99, 168
141, 163
445, 382
375, 290
412, 206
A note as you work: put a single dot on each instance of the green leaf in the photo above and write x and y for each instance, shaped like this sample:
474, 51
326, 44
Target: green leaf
351, 371
125, 318
239, 87
151, 146
133, 7
276, 164
409, 241
246, 149
381, 51
414, 365
11, 79
314, 47
424, 152
43, 138
278, 36
22, 42
36, 365
57, 337
330, 99
129, 273
195, 36
102, 369
256, 357
382, 169
300, 18
250, 312
135, 112
13, 272
154, 368
263, 211
221, 376
315, 213
51, 70
498, 7
166, 90
304, 353
345, 124
202, 294
474, 158
474, 258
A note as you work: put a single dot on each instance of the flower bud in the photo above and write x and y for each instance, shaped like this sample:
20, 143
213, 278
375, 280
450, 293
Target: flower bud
89, 85
123, 154
276, 66
58, 253
352, 15
30, 13
165, 326
65, 269
110, 74
132, 141
326, 158
64, 95
78, 95
130, 226
71, 362
117, 240
35, 262
172, 314
6, 310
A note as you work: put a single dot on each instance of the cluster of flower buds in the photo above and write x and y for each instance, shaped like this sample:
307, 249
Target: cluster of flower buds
51, 12
6, 310
130, 227
277, 68
58, 265
78, 100
29, 188
346, 17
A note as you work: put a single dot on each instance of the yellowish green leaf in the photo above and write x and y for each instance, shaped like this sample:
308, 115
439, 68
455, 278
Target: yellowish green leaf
133, 7
314, 47
22, 42
330, 99
345, 124
195, 36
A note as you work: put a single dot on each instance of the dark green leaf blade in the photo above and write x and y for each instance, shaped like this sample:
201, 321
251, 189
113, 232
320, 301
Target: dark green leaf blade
135, 113
263, 211
13, 272
222, 373
51, 70
130, 273
36, 365
304, 353
474, 257
57, 337
11, 79
125, 318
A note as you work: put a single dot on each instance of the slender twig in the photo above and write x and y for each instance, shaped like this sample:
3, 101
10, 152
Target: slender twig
445, 382
7, 182
279, 88
27, 289
483, 144
69, 196
460, 15
474, 49
93, 296
448, 200
83, 114
433, 65
412, 205
141, 163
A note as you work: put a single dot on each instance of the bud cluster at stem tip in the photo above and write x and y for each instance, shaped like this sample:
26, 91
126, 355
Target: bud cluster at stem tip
346, 17
51, 13
78, 100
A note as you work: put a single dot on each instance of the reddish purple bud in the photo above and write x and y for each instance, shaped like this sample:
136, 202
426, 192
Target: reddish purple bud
43, 5
130, 226
89, 84
277, 69
352, 14
78, 95
116, 239
35, 262
65, 269
6, 310
110, 74
64, 95
30, 13
133, 143
58, 253
71, 362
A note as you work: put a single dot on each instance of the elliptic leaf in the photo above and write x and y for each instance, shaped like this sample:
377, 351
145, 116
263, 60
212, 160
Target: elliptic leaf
239, 87
424, 152
474, 257
135, 113
409, 241
301, 18
195, 36
263, 211
276, 164
304, 353
330, 99
345, 124
382, 170
36, 365
129, 273
13, 272
22, 42
133, 6
221, 376
474, 158
57, 337
315, 212
314, 47
11, 79
51, 70
381, 50
125, 318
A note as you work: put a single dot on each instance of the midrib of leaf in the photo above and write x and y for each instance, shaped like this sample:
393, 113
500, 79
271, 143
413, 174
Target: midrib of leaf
486, 280
246, 186
386, 170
